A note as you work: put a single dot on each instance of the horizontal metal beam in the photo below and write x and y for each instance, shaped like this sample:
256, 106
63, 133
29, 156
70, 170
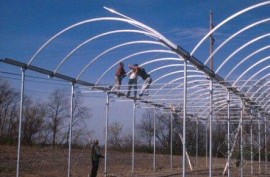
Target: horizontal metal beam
210, 73
80, 82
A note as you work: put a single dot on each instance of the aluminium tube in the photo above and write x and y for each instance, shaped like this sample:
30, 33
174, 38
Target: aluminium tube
70, 129
133, 136
154, 142
259, 141
171, 156
210, 126
206, 143
184, 120
20, 123
251, 147
265, 146
197, 141
241, 139
228, 133
106, 134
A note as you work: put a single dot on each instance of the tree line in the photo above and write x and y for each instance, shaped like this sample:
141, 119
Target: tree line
43, 122
47, 123
195, 143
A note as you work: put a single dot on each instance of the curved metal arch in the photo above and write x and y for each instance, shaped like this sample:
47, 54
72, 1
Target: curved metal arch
240, 48
132, 55
203, 80
190, 82
256, 74
267, 107
190, 71
215, 99
225, 21
259, 90
96, 37
204, 89
112, 48
168, 74
144, 27
160, 59
165, 66
222, 96
265, 91
246, 58
251, 67
207, 84
175, 80
132, 22
199, 98
234, 35
214, 106
223, 106
200, 90
264, 77
162, 67
265, 97
179, 86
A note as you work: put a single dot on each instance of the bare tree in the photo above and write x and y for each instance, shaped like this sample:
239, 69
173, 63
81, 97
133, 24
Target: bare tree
57, 108
114, 131
8, 112
34, 122
146, 129
80, 114
163, 129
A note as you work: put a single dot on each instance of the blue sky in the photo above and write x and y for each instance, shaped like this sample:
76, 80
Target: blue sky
26, 25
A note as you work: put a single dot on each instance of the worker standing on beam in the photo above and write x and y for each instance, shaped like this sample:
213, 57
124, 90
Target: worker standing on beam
119, 75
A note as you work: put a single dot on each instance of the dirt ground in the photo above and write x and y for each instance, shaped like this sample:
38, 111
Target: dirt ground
49, 162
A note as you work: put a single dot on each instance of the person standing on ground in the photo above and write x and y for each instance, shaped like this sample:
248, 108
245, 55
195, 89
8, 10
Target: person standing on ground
132, 80
95, 158
119, 75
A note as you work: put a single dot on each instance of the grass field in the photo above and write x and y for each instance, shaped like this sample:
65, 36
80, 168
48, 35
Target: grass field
49, 162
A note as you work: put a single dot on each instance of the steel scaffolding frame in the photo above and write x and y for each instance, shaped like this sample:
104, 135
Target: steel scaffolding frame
222, 94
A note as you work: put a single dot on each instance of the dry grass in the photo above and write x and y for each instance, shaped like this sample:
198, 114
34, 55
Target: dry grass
49, 162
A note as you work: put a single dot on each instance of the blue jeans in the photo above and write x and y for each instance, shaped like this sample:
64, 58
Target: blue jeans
132, 82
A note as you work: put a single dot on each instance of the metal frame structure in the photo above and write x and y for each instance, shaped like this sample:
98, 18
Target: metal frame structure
221, 94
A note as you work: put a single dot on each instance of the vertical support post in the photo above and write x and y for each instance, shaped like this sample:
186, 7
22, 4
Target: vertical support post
265, 146
241, 138
211, 41
211, 47
171, 157
20, 122
184, 120
259, 139
210, 127
206, 143
70, 129
251, 147
154, 142
133, 135
106, 133
228, 132
197, 141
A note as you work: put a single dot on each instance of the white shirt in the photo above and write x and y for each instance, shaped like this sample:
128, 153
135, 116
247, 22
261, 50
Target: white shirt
133, 75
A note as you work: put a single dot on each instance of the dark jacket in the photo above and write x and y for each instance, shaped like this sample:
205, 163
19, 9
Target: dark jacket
142, 73
96, 153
